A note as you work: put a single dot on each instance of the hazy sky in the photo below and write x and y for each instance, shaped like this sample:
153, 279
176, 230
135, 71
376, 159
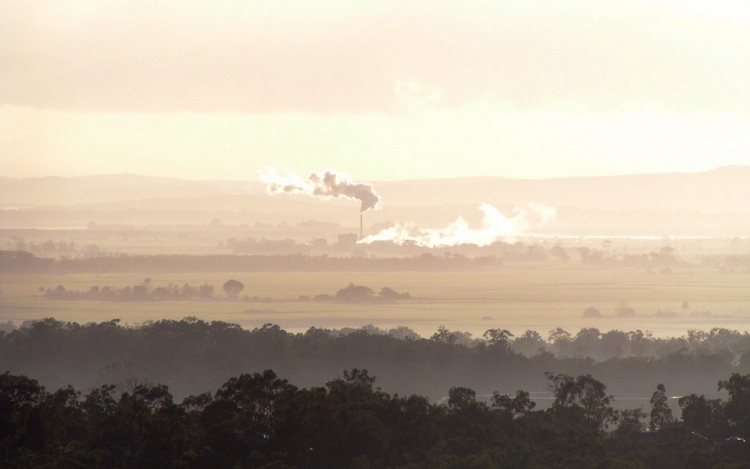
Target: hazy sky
380, 90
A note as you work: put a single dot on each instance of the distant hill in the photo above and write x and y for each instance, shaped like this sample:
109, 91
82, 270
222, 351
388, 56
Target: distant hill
63, 191
711, 203
724, 189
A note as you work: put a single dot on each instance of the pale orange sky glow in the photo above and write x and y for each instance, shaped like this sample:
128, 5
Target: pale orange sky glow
380, 90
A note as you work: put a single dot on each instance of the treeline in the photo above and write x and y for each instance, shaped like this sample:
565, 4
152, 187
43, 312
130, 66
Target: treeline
140, 292
589, 342
25, 262
145, 291
60, 248
193, 356
16, 262
592, 343
258, 420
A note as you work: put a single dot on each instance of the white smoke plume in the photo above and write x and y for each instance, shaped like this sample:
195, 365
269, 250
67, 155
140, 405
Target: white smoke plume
495, 227
326, 185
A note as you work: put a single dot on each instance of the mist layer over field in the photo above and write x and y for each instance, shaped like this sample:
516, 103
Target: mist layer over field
539, 297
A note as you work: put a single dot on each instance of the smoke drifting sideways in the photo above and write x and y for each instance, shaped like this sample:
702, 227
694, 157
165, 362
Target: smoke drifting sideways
328, 185
495, 227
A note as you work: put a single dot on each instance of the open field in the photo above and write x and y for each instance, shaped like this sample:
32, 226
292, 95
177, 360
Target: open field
517, 297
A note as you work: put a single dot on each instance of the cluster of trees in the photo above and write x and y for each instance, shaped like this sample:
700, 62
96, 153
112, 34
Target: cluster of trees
729, 263
50, 247
192, 356
258, 420
23, 262
143, 292
664, 258
361, 294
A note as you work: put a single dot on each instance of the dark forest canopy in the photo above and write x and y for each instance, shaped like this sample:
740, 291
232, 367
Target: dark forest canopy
259, 420
193, 356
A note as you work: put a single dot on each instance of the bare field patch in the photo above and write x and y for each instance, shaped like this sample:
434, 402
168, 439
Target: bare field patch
517, 297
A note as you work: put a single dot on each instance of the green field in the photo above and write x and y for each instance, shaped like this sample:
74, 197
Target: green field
516, 297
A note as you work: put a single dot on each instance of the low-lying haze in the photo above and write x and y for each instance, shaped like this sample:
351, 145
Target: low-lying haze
712, 203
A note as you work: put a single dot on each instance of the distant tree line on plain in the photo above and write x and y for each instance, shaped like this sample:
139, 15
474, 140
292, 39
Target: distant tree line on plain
26, 262
258, 420
145, 291
141, 292
192, 356
22, 262
61, 247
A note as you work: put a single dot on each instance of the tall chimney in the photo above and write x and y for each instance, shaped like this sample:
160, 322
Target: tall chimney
360, 226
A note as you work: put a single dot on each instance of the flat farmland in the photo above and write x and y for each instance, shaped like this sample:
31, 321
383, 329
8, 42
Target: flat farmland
517, 297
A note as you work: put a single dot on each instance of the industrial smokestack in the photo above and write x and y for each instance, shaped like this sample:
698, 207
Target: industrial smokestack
360, 226
328, 185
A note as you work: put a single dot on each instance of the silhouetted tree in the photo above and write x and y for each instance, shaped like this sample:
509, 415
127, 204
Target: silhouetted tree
583, 395
738, 405
355, 293
630, 421
390, 294
232, 287
661, 414
521, 404
498, 337
460, 397
443, 335
206, 291
698, 412
592, 312
529, 343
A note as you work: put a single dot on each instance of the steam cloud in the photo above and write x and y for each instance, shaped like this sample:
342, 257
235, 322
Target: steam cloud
328, 185
495, 227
